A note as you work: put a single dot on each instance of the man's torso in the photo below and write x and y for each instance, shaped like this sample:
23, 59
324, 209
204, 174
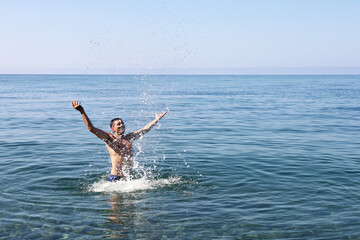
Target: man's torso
121, 152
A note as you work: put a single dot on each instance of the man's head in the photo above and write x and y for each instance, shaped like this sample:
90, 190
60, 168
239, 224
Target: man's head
117, 126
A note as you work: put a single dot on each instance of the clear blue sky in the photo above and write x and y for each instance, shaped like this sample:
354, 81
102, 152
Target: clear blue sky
138, 36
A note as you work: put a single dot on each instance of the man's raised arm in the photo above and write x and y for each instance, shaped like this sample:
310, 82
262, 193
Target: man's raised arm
98, 132
147, 128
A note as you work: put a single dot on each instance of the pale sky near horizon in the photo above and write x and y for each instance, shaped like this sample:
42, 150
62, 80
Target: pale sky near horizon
96, 36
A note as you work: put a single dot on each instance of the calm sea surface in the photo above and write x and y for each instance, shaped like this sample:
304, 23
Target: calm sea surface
236, 157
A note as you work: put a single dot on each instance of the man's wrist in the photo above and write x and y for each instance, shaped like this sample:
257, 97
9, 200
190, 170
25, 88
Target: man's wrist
80, 109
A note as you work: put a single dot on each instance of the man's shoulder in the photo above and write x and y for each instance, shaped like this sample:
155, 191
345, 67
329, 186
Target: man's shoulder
110, 136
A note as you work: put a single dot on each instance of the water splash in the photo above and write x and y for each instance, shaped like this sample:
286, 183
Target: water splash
133, 185
150, 170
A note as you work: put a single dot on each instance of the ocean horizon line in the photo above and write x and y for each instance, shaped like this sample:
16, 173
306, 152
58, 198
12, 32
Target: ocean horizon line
192, 71
181, 74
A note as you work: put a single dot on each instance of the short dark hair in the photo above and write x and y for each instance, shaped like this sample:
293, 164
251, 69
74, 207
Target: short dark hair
115, 119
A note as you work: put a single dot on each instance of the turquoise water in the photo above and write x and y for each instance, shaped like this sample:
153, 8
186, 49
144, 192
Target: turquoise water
236, 157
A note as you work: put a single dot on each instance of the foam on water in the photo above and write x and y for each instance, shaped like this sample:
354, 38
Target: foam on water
132, 185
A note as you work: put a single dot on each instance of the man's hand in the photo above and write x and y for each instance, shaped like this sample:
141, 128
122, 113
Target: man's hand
77, 105
159, 116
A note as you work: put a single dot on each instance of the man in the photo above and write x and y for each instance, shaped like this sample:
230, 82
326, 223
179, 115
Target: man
118, 144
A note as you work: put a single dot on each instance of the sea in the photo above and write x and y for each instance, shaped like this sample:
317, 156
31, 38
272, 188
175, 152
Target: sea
235, 157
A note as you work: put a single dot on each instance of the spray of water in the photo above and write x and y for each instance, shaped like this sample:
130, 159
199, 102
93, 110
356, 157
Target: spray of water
146, 175
149, 155
133, 185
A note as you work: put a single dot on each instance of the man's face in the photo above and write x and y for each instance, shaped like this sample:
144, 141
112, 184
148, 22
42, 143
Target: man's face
118, 127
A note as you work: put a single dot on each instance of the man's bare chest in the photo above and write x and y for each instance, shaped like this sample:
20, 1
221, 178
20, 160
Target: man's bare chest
120, 146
